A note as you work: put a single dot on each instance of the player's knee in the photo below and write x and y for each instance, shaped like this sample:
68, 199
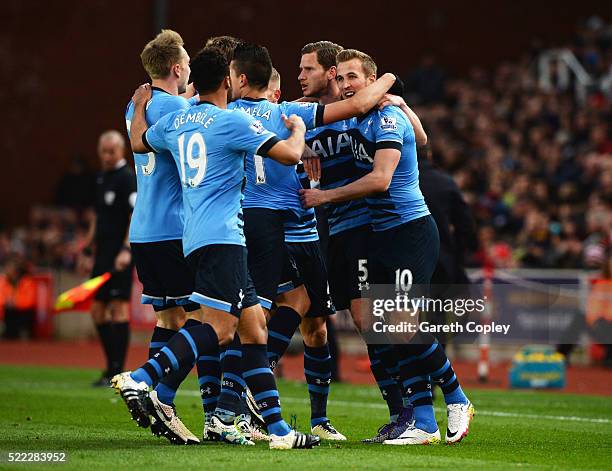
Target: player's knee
314, 331
297, 299
119, 311
172, 318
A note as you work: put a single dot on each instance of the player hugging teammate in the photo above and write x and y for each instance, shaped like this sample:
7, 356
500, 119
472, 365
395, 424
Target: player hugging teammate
225, 239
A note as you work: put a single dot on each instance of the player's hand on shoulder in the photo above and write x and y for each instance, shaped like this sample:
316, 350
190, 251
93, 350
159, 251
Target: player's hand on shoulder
294, 123
142, 94
390, 100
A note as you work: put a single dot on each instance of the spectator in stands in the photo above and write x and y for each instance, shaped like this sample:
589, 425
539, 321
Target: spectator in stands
18, 298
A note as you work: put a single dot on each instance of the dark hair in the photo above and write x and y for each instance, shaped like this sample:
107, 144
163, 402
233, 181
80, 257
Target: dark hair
208, 69
226, 44
253, 61
326, 52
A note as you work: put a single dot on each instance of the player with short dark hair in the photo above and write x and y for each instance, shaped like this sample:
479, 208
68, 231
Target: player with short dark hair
404, 238
271, 198
156, 234
108, 242
208, 144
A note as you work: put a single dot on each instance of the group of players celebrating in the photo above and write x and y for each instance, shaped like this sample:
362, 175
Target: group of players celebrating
232, 265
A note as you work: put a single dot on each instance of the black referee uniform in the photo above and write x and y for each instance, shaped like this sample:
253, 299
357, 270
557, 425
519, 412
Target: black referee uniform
115, 198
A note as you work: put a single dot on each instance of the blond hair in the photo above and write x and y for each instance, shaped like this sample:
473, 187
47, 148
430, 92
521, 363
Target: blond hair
161, 53
367, 63
275, 77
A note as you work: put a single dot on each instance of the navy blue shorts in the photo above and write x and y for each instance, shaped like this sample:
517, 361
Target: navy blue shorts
347, 255
269, 261
313, 275
413, 246
222, 279
166, 277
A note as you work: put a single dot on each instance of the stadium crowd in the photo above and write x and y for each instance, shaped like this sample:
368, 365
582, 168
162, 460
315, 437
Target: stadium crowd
534, 165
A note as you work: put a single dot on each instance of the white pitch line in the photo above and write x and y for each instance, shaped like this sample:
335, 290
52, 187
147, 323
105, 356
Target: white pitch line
369, 405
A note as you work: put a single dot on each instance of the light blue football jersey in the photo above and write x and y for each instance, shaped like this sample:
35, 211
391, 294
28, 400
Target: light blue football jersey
158, 213
403, 201
271, 184
209, 145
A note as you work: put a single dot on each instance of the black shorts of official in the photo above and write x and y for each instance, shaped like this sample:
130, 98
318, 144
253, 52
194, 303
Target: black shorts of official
347, 254
119, 286
166, 277
414, 245
269, 261
222, 279
313, 274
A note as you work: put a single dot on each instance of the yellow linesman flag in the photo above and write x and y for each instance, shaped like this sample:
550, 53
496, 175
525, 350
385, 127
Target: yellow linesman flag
80, 297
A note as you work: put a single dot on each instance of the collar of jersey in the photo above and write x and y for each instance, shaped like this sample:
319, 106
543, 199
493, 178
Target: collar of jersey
361, 118
248, 98
160, 90
205, 102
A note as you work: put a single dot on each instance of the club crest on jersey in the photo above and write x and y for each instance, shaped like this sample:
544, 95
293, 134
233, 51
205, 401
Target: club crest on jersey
388, 123
257, 127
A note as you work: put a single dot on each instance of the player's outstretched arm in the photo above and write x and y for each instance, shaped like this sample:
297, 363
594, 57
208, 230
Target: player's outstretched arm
394, 100
139, 123
377, 181
360, 103
289, 151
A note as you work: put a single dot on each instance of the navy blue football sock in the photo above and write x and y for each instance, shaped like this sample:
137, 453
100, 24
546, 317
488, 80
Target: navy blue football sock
159, 339
317, 369
232, 387
438, 366
260, 380
167, 387
281, 328
389, 389
182, 350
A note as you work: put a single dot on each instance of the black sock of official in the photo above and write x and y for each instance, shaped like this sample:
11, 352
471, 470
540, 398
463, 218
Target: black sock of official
260, 380
105, 332
389, 388
167, 387
317, 369
182, 350
121, 343
281, 328
232, 386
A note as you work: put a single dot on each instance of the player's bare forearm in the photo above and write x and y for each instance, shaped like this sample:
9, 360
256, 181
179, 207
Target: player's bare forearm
138, 128
139, 123
377, 181
419, 132
360, 103
289, 151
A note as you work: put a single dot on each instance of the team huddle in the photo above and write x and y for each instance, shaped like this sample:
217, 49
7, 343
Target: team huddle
224, 238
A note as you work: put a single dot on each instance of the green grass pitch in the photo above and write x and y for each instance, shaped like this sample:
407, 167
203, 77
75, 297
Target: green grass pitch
52, 409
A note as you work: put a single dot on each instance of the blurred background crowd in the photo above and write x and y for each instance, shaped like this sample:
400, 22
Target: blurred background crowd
533, 162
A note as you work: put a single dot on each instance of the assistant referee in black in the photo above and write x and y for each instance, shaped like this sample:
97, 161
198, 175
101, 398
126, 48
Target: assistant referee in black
108, 250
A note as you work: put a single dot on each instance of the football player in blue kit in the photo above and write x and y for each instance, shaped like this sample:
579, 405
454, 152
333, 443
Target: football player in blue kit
208, 144
272, 200
156, 230
404, 237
